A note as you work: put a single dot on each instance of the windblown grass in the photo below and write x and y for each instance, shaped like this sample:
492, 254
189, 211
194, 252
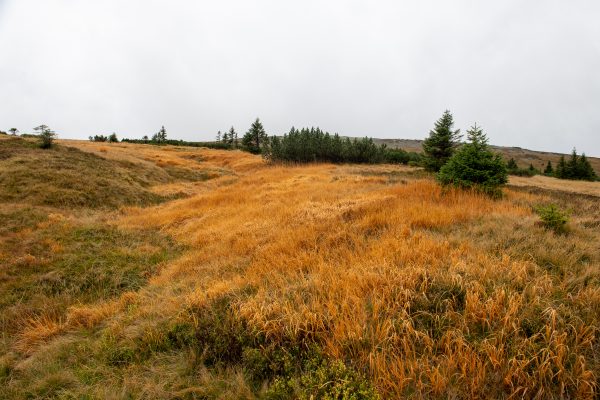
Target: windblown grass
330, 280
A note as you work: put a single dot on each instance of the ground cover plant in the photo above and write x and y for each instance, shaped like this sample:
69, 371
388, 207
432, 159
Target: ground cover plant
303, 281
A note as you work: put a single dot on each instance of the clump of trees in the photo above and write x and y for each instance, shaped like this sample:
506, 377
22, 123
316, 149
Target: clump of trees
475, 166
228, 140
315, 145
514, 169
160, 137
46, 136
112, 138
441, 143
577, 167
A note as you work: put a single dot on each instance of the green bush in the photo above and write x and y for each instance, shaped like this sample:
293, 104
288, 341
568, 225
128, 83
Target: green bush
553, 218
399, 156
475, 166
323, 380
527, 172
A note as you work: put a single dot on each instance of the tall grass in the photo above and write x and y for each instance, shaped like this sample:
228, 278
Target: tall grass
417, 292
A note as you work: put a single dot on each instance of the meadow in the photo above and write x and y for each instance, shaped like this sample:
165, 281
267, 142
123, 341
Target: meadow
137, 271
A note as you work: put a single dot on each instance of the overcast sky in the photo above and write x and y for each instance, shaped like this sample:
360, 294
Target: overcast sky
527, 71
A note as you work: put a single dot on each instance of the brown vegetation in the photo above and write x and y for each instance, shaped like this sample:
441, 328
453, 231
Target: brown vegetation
295, 281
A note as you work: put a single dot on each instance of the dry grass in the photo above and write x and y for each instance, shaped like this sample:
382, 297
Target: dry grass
545, 182
428, 294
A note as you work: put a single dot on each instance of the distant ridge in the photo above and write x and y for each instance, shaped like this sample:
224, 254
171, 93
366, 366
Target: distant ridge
523, 157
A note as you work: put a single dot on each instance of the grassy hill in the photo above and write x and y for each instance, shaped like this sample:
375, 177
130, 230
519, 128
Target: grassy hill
188, 273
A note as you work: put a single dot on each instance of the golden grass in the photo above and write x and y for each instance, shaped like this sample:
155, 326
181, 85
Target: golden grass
545, 182
389, 275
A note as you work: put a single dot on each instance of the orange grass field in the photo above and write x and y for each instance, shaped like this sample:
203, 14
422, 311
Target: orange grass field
409, 291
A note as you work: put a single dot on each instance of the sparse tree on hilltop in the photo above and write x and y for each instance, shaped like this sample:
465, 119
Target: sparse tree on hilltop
113, 138
441, 143
46, 136
13, 131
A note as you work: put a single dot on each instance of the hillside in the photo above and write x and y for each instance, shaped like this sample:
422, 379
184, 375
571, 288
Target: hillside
523, 157
188, 273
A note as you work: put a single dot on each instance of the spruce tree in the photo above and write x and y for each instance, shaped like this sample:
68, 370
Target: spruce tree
475, 166
160, 136
561, 168
441, 143
225, 138
532, 170
512, 164
585, 170
549, 171
236, 140
219, 136
572, 166
255, 138
232, 137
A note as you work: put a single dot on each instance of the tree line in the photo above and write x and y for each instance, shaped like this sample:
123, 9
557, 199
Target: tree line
577, 167
471, 164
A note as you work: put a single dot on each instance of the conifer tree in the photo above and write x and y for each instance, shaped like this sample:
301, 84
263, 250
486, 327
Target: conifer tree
441, 143
160, 136
585, 170
475, 166
532, 169
225, 138
219, 136
113, 138
549, 171
255, 138
572, 165
232, 137
561, 168
577, 167
512, 164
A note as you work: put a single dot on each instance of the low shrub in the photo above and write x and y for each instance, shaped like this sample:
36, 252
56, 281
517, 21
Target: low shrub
553, 218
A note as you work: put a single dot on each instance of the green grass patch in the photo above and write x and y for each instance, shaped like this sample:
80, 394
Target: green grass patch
48, 267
